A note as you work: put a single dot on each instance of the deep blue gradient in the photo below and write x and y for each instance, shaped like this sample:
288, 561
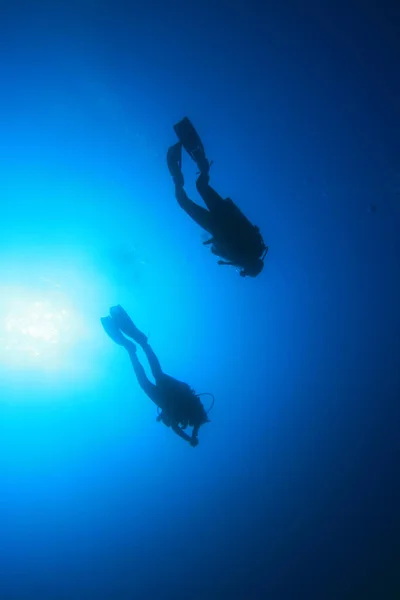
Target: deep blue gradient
293, 490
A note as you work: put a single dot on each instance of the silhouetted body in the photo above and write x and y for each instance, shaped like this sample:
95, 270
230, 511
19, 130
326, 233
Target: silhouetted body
234, 238
178, 403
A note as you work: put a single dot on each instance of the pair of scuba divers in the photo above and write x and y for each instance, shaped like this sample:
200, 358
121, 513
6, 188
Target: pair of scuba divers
234, 239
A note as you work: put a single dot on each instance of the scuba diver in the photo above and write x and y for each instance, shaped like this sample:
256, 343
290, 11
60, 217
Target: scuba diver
178, 405
234, 239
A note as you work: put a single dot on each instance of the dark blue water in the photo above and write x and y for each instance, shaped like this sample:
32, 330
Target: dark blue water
292, 491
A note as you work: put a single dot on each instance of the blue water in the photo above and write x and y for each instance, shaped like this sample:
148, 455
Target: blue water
292, 491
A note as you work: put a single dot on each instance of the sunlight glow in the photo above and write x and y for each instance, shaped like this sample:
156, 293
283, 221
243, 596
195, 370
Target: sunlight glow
35, 329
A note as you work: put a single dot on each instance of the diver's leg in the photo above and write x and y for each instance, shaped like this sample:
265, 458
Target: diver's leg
153, 362
174, 161
196, 212
149, 388
212, 200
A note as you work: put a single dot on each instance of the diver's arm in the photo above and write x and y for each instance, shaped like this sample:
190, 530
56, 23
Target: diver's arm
194, 439
180, 432
224, 253
224, 262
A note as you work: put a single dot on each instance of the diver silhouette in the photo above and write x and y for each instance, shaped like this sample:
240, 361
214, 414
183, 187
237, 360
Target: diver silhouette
179, 405
234, 238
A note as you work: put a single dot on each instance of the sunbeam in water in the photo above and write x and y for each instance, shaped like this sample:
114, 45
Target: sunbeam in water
36, 330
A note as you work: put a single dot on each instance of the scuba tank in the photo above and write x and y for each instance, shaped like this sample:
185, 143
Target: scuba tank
188, 411
243, 232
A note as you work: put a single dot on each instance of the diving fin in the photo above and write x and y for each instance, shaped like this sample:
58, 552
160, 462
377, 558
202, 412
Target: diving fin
192, 143
126, 325
113, 332
174, 161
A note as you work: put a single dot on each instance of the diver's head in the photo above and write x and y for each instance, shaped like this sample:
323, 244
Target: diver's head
198, 421
252, 268
198, 416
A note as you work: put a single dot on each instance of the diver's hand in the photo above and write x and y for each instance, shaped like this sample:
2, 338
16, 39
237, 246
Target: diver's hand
194, 442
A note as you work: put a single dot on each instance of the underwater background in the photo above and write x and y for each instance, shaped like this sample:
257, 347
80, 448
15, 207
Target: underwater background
293, 490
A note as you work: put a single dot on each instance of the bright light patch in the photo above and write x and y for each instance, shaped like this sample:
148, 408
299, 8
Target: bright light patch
38, 322
35, 331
